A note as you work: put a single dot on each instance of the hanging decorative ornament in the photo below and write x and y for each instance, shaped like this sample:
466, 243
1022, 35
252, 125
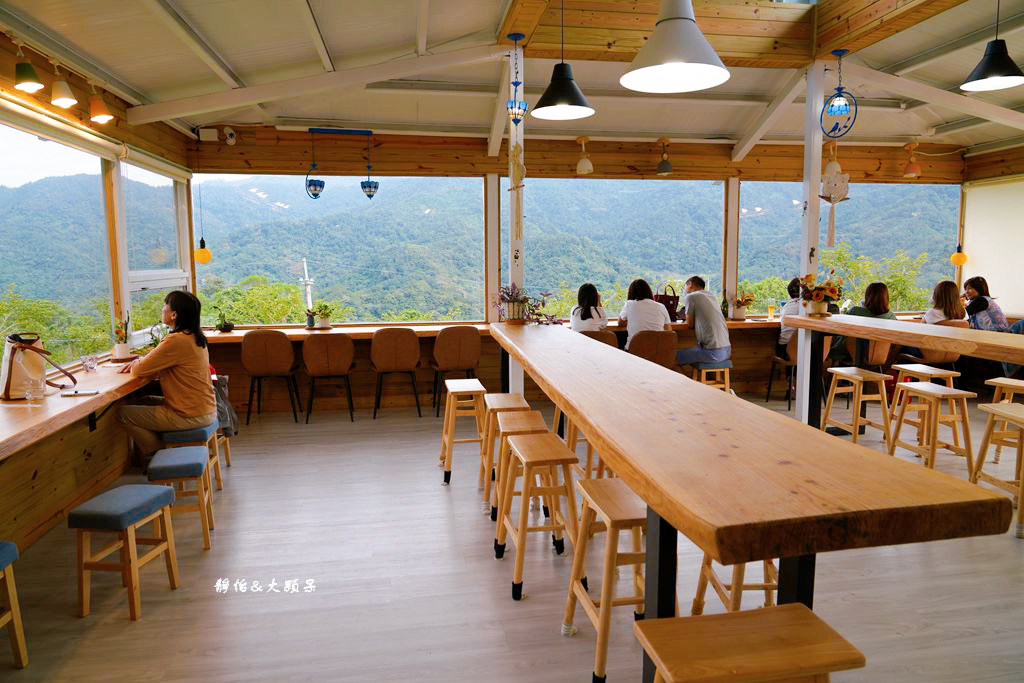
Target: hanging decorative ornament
834, 186
958, 258
584, 166
369, 186
664, 166
202, 255
516, 107
314, 186
840, 110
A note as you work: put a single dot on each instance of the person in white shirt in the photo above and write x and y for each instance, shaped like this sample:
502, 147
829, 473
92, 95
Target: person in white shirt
589, 315
792, 307
642, 312
704, 316
946, 304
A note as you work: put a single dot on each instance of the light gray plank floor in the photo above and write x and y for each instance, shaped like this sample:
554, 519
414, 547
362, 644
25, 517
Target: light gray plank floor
407, 587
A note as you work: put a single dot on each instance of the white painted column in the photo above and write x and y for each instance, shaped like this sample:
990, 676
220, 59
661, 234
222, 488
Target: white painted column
810, 240
730, 252
492, 245
517, 176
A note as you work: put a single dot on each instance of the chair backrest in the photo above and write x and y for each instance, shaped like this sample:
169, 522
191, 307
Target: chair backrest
457, 348
267, 353
791, 347
395, 349
328, 354
878, 351
932, 356
657, 347
605, 336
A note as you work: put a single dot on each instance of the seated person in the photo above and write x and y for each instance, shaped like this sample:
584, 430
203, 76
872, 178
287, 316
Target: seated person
704, 316
946, 304
791, 307
589, 315
982, 310
875, 305
642, 312
182, 363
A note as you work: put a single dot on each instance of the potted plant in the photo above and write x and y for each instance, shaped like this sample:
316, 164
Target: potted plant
739, 305
513, 304
816, 297
122, 349
222, 322
322, 311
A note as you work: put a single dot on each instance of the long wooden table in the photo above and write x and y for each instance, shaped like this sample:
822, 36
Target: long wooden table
1001, 346
742, 482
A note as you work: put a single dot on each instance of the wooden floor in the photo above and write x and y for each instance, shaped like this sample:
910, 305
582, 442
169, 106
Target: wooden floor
407, 587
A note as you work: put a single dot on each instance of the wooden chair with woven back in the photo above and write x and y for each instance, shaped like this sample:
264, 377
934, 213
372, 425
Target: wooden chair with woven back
328, 356
269, 353
658, 347
456, 349
395, 349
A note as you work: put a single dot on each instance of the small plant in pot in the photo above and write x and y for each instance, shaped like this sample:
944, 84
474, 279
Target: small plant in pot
739, 305
222, 322
122, 333
322, 311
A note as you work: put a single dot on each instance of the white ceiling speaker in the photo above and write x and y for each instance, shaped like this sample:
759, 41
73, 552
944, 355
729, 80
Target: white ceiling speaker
677, 56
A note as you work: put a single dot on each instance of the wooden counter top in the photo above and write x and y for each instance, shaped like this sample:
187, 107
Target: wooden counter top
742, 482
23, 423
981, 343
366, 331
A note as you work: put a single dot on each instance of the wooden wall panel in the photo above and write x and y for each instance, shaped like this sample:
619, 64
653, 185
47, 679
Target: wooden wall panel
40, 484
266, 150
1008, 162
156, 138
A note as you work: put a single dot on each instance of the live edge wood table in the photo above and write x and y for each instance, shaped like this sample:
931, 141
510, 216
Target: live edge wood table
742, 482
1000, 346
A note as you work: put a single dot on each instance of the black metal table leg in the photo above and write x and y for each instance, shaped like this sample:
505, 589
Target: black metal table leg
504, 371
816, 371
659, 576
796, 580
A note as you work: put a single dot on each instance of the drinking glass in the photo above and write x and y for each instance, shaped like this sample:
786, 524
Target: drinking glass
89, 363
35, 389
771, 313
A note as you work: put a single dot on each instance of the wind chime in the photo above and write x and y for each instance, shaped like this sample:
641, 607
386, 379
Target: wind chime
838, 115
516, 107
834, 187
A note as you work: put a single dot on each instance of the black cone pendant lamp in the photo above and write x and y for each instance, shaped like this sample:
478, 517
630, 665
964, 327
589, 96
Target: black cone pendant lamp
562, 100
996, 70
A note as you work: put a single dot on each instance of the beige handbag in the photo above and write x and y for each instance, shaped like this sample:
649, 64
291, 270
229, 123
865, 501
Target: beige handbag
24, 366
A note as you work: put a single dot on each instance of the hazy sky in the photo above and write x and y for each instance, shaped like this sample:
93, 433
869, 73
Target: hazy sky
24, 158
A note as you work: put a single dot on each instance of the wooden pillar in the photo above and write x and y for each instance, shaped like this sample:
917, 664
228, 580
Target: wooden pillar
116, 239
809, 242
730, 251
492, 245
517, 176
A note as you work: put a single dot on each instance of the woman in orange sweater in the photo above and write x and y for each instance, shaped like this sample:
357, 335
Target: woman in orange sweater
182, 364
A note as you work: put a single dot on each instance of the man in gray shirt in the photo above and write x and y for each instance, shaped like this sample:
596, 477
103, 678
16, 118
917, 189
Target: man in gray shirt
704, 316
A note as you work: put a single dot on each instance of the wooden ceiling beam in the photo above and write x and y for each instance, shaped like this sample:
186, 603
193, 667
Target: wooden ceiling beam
855, 24
305, 11
769, 116
522, 17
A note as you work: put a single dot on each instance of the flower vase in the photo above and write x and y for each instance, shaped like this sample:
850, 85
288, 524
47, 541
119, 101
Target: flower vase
739, 313
310, 321
819, 308
121, 351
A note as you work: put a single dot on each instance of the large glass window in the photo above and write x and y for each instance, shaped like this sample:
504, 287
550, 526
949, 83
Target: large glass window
610, 232
413, 252
898, 234
150, 220
54, 272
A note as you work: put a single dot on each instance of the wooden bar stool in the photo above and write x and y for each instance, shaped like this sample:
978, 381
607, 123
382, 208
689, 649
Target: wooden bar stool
731, 593
619, 509
857, 377
180, 468
10, 611
572, 438
1006, 389
713, 374
123, 511
494, 404
1011, 416
931, 396
510, 423
208, 436
536, 456
783, 643
465, 399
456, 349
926, 373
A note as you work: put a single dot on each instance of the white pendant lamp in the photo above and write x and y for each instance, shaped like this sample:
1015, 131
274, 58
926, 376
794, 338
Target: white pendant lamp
60, 92
584, 166
677, 56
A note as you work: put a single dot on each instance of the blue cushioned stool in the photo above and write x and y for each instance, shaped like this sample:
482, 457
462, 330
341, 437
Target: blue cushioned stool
122, 511
179, 467
10, 613
714, 374
208, 436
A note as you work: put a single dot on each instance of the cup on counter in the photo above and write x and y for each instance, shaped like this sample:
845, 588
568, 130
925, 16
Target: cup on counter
89, 363
35, 389
771, 313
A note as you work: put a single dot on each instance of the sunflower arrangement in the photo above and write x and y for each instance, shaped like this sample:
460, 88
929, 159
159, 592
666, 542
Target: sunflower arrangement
743, 300
828, 291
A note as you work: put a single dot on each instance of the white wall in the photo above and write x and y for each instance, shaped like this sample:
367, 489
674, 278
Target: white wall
994, 239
